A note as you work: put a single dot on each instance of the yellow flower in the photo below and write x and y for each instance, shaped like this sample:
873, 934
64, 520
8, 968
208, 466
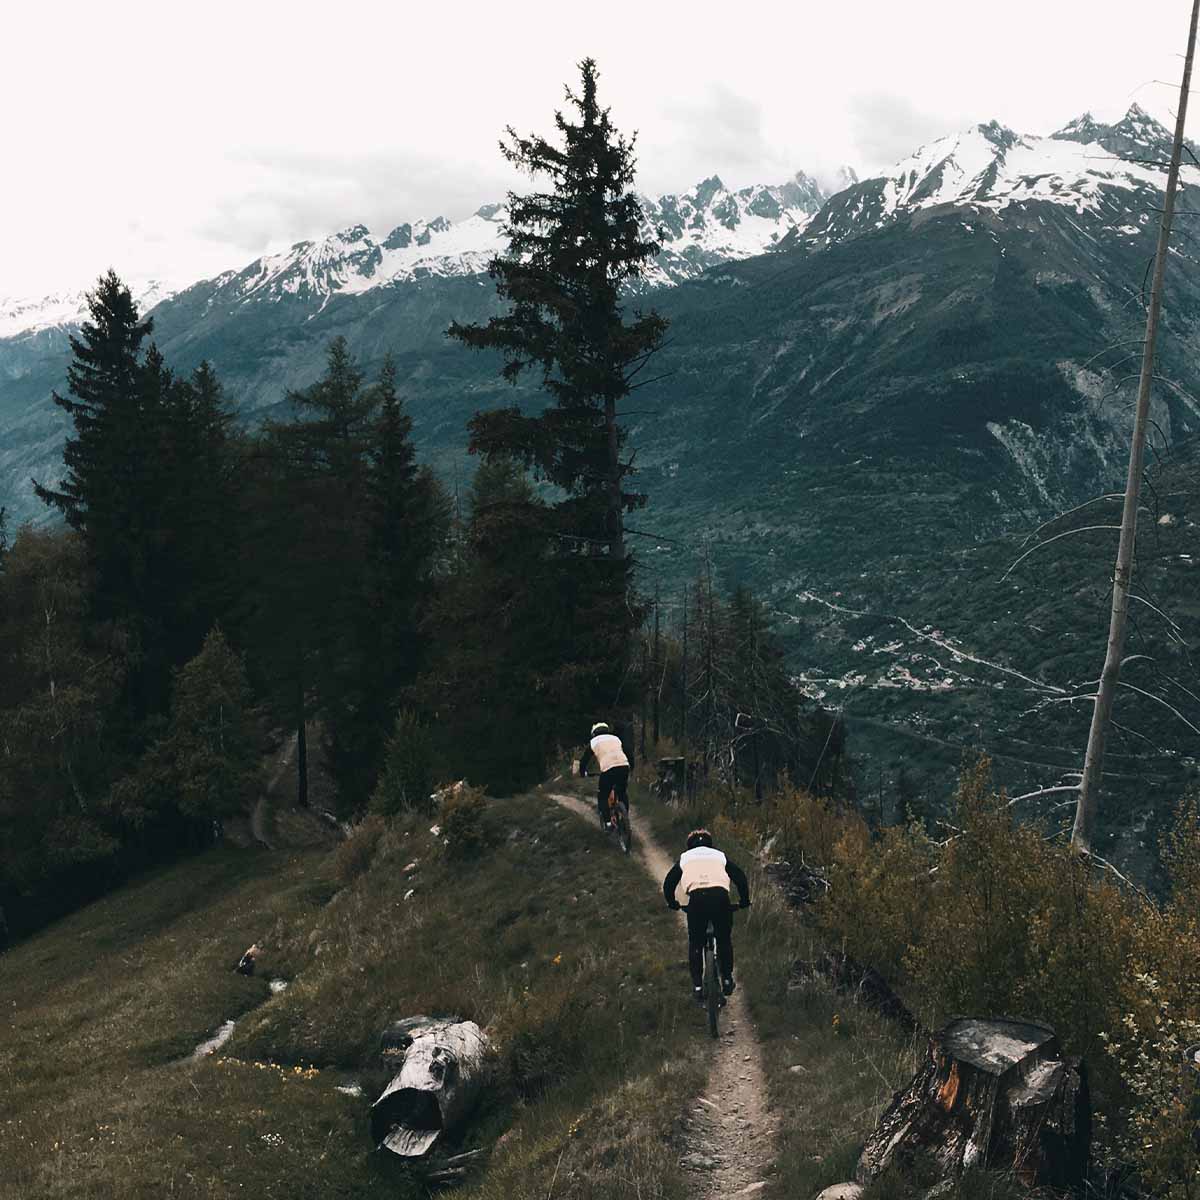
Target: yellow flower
557, 958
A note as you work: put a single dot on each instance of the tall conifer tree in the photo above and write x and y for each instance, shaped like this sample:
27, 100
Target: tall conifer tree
574, 250
102, 493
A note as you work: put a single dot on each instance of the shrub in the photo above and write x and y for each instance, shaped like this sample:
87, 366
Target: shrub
1158, 1134
353, 857
461, 817
551, 1037
806, 828
406, 780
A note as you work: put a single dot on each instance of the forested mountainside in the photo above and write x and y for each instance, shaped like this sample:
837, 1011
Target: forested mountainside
928, 360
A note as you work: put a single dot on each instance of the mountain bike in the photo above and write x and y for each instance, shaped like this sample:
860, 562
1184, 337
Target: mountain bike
714, 998
618, 821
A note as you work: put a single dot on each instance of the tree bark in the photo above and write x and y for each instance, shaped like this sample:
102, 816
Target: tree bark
440, 1071
1093, 763
301, 764
657, 666
616, 520
992, 1093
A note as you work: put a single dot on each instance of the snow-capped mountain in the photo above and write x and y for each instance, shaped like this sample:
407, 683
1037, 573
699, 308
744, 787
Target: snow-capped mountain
1086, 166
67, 310
698, 229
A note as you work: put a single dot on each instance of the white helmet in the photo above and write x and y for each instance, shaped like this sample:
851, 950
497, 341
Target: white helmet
600, 727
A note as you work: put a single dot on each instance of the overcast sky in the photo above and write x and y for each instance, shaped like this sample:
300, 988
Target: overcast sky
174, 140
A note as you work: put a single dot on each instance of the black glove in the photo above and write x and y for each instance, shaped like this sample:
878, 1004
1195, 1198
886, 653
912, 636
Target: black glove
744, 904
673, 905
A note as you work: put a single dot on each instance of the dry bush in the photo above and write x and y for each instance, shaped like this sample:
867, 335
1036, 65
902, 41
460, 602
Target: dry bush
806, 828
461, 817
997, 920
354, 856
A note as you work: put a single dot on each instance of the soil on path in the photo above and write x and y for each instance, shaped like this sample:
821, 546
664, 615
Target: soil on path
730, 1133
258, 818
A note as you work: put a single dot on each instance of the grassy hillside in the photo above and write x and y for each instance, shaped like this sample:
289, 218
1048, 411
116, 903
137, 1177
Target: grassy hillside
542, 938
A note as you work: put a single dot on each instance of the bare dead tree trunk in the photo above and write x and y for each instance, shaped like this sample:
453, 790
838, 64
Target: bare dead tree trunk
645, 685
657, 665
683, 707
301, 749
1093, 763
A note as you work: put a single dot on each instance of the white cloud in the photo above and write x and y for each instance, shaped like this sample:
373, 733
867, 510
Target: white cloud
176, 140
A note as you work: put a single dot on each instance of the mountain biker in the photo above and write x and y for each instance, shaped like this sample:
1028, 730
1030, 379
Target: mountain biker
610, 756
699, 883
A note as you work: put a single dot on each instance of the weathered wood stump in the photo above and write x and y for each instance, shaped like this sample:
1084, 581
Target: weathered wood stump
672, 778
992, 1093
439, 1066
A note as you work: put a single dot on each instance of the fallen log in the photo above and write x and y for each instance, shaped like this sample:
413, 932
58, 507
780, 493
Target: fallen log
992, 1093
440, 1069
799, 883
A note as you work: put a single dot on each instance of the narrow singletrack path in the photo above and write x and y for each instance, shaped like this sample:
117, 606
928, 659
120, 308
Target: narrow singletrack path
258, 817
730, 1133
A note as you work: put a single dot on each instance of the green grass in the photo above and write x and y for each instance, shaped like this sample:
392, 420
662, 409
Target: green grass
542, 939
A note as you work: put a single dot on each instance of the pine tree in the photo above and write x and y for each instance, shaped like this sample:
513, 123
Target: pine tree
573, 251
305, 554
103, 494
57, 694
197, 515
404, 512
214, 743
502, 688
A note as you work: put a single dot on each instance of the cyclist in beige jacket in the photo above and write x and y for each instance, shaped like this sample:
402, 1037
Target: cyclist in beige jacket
699, 884
613, 762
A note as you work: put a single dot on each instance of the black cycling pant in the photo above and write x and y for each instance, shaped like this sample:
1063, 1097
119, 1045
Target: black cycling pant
703, 906
614, 779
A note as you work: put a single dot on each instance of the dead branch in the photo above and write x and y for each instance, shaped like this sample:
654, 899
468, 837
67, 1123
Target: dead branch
1055, 538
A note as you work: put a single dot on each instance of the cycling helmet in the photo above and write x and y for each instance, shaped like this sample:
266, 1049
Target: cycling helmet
600, 727
699, 837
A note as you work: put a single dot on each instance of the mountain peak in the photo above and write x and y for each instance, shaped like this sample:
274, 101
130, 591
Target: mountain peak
1135, 133
352, 234
999, 135
706, 189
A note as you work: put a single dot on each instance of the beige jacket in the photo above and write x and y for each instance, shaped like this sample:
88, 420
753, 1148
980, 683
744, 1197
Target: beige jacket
608, 751
703, 867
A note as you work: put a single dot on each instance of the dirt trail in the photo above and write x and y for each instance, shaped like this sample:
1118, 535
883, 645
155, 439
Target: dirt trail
730, 1132
258, 817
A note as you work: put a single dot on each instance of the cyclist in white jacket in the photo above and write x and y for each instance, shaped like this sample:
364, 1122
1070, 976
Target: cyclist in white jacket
699, 883
613, 764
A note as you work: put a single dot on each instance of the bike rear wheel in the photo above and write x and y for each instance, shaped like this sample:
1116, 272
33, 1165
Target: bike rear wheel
712, 985
624, 832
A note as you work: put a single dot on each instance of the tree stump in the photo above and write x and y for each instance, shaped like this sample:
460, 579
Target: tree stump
992, 1093
672, 778
440, 1070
